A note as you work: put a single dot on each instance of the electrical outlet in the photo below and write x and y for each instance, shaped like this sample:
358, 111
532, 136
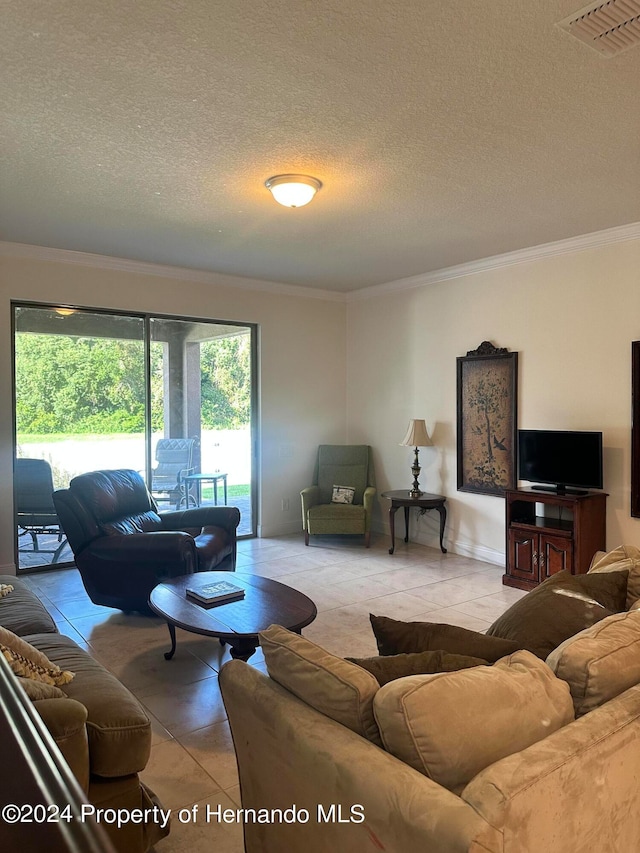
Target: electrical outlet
285, 504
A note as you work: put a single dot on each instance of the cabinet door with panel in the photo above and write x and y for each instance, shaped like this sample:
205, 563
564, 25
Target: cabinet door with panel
555, 554
523, 554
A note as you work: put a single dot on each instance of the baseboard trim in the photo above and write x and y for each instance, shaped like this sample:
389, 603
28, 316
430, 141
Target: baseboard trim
481, 552
283, 529
462, 549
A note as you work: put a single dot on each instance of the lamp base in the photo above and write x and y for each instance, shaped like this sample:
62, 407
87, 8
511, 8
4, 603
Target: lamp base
415, 470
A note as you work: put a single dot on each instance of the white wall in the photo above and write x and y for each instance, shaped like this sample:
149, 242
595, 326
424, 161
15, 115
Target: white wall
571, 318
302, 375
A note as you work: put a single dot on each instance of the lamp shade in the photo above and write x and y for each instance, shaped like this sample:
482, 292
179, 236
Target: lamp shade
417, 435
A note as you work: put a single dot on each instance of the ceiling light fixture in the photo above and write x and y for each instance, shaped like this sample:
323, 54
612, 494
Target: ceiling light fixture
293, 190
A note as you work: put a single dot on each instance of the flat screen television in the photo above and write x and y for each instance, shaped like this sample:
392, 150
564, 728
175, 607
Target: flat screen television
560, 461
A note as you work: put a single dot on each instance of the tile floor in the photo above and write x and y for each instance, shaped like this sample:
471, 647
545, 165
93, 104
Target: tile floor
192, 759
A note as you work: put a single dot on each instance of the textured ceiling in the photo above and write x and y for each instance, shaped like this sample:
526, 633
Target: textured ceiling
442, 131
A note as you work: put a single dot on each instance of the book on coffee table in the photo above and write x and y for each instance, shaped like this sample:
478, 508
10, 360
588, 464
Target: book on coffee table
215, 593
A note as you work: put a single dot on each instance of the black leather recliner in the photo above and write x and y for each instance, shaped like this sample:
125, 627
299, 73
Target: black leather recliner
123, 547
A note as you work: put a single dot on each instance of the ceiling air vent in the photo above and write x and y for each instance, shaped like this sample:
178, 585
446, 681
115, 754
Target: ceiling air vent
608, 27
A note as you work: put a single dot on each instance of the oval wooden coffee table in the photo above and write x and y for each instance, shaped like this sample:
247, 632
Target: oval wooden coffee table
238, 623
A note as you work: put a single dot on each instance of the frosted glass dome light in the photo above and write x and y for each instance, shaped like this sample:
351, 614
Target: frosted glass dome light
293, 190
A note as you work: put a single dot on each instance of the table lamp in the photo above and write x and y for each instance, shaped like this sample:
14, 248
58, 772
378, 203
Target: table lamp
417, 436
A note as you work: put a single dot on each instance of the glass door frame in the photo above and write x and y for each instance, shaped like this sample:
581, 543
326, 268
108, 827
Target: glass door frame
147, 318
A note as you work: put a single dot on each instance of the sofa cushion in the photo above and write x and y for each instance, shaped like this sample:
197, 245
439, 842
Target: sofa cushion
22, 611
600, 662
387, 668
560, 607
118, 729
338, 689
624, 557
450, 726
394, 638
29, 662
337, 512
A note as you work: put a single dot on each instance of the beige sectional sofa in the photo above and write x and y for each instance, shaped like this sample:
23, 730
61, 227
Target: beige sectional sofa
101, 729
519, 757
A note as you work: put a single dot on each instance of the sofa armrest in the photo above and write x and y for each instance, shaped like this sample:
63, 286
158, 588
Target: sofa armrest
227, 517
310, 497
539, 793
66, 721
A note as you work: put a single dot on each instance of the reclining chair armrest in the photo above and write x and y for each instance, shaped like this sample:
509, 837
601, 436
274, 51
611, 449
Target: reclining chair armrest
227, 517
310, 497
162, 546
161, 553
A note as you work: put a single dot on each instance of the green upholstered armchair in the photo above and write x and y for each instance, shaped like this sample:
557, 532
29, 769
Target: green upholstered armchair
340, 465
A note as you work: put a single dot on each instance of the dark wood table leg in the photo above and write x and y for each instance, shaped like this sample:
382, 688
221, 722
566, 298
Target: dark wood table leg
243, 649
392, 527
172, 631
443, 519
406, 524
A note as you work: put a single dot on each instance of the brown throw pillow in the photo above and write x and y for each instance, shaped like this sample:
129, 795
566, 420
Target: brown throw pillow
388, 668
560, 607
37, 690
624, 557
396, 638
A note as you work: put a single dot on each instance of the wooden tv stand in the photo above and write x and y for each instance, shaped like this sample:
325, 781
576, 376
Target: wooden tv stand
566, 535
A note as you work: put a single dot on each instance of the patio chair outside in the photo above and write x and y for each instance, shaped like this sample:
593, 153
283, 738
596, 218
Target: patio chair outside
175, 461
35, 512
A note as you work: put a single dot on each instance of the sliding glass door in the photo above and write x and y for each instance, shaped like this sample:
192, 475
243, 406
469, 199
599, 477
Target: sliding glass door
201, 399
171, 398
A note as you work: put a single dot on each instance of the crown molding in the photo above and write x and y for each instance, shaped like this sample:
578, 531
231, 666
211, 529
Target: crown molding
609, 236
596, 239
106, 262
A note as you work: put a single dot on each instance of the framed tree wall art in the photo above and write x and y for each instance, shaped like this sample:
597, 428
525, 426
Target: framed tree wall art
487, 394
